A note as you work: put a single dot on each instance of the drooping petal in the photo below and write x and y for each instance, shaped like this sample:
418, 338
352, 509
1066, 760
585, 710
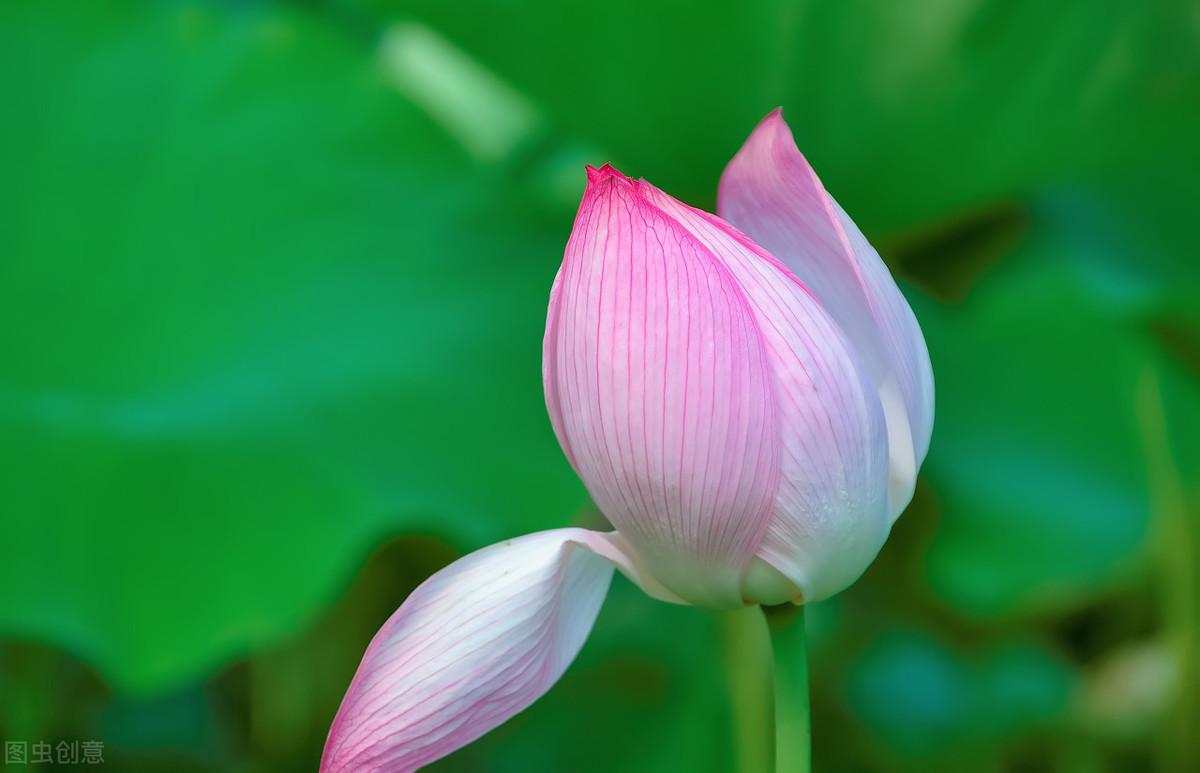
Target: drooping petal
658, 386
829, 518
475, 644
770, 192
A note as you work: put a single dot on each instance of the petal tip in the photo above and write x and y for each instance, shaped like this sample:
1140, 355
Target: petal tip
775, 130
604, 173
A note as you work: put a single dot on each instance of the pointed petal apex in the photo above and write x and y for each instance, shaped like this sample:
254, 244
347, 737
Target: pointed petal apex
603, 173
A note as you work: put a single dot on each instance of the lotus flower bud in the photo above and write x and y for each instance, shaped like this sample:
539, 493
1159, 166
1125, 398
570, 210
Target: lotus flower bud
751, 427
749, 409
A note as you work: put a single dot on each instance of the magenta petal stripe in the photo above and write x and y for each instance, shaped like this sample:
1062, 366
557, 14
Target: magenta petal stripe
770, 192
829, 518
659, 388
473, 645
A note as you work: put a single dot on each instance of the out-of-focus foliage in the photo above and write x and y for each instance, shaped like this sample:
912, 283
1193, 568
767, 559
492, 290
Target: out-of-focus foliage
272, 284
256, 306
1049, 508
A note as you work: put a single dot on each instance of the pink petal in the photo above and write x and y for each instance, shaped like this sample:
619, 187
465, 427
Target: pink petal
659, 388
473, 645
770, 192
829, 517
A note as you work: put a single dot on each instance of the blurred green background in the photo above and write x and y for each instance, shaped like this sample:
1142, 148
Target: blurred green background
272, 286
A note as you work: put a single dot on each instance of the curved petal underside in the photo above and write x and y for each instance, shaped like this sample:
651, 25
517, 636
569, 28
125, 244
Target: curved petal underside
829, 518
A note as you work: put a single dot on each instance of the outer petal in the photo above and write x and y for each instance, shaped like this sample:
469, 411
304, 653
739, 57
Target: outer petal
658, 386
770, 192
829, 517
473, 645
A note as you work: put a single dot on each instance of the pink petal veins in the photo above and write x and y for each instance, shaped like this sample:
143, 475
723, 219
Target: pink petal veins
659, 389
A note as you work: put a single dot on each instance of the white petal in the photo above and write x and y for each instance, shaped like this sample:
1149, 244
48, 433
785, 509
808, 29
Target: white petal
770, 192
473, 645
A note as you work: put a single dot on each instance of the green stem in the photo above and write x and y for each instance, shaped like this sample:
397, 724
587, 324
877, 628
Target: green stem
793, 734
1178, 543
748, 671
